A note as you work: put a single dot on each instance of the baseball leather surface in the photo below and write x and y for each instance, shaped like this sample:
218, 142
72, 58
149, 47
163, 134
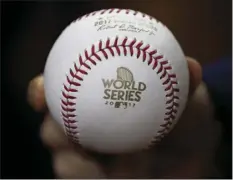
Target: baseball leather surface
116, 80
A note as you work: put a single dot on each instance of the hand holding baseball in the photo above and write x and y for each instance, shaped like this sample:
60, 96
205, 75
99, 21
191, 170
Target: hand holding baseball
118, 94
182, 154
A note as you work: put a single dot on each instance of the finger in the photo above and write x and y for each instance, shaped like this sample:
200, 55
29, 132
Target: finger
53, 135
35, 94
69, 160
195, 74
69, 164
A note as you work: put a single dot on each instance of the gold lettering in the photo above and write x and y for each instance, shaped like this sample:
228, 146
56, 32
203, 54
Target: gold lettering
138, 97
141, 86
114, 95
121, 95
131, 94
107, 93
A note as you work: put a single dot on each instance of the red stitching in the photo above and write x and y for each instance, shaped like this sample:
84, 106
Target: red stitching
67, 96
172, 99
68, 109
103, 11
69, 126
68, 121
119, 10
68, 115
170, 85
69, 89
76, 76
139, 45
71, 132
166, 123
171, 111
112, 10
67, 103
94, 54
131, 46
80, 70
82, 63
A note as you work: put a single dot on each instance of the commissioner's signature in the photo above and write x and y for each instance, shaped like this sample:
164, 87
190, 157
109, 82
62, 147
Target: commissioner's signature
126, 27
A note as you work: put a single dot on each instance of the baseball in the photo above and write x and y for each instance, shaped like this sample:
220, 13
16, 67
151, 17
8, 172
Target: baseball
116, 80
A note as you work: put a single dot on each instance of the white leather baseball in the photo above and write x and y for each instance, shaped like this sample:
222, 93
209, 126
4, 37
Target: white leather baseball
116, 80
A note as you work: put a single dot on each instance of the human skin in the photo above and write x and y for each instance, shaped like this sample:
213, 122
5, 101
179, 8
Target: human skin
187, 152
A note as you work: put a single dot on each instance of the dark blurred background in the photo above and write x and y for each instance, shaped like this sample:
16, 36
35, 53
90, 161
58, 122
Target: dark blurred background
28, 31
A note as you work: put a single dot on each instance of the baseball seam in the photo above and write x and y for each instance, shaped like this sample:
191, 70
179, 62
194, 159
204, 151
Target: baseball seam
115, 47
116, 10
